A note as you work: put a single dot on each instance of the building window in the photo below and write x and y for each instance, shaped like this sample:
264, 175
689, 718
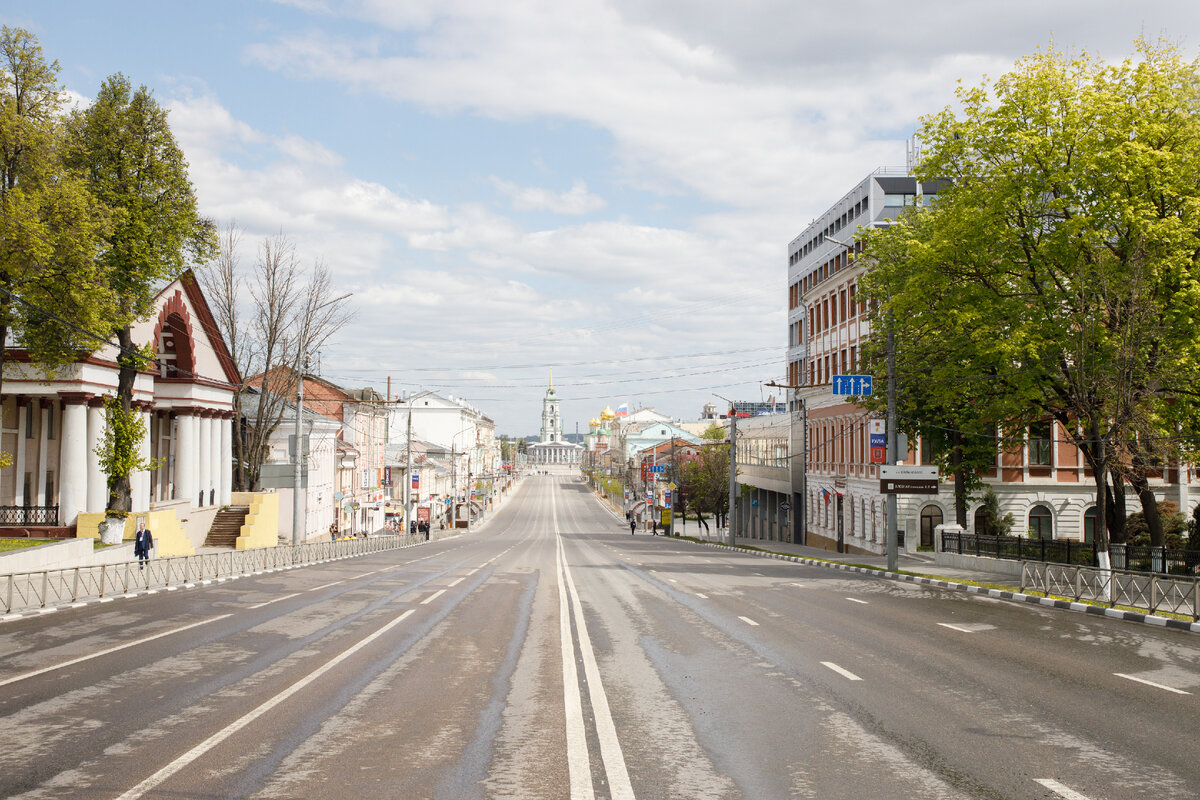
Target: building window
29, 421
1040, 444
1089, 525
50, 422
49, 487
1041, 523
28, 488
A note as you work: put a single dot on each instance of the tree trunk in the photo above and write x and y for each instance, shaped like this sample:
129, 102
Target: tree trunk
120, 497
1141, 485
1116, 510
960, 482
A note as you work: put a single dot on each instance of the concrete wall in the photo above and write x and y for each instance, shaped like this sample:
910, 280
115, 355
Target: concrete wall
63, 554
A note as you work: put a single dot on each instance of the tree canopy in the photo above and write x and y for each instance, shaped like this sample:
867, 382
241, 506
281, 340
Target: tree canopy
1058, 267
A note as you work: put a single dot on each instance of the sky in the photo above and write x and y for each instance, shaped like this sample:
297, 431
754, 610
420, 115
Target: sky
602, 190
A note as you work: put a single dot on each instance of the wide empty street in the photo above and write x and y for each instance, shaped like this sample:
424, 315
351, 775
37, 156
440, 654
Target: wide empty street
550, 654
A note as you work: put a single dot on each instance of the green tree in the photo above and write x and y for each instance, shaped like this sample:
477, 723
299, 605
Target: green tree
53, 289
705, 479
990, 521
1067, 243
123, 146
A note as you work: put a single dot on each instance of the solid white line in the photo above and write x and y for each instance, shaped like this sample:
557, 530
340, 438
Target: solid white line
845, 673
862, 602
702, 596
105, 652
748, 621
1059, 789
1150, 683
619, 787
579, 765
953, 627
433, 596
223, 734
454, 582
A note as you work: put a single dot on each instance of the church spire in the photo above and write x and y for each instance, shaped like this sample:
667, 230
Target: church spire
552, 380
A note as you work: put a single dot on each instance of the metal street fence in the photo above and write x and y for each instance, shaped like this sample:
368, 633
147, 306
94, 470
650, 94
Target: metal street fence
49, 588
1064, 551
1144, 591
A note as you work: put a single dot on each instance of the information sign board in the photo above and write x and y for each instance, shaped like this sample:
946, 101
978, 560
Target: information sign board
855, 385
908, 479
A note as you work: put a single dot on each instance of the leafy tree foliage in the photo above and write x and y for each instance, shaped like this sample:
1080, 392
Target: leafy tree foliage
53, 290
1059, 265
124, 148
705, 478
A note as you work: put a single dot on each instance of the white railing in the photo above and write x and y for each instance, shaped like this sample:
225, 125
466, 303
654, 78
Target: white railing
1145, 591
24, 591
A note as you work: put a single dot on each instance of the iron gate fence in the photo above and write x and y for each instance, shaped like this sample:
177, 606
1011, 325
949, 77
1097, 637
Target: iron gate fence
50, 588
1145, 591
1065, 551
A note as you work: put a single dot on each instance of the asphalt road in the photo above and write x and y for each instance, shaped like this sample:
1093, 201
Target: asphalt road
552, 655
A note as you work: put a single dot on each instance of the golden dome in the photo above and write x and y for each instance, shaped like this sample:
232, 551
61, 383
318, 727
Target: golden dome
594, 423
607, 413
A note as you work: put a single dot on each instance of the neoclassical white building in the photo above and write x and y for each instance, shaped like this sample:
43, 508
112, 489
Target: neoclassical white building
53, 423
553, 449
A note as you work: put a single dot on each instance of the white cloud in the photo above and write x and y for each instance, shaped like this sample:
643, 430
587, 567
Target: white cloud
575, 201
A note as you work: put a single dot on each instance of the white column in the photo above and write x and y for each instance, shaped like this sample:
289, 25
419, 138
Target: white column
204, 441
185, 457
225, 470
139, 482
72, 460
215, 424
97, 481
40, 418
19, 492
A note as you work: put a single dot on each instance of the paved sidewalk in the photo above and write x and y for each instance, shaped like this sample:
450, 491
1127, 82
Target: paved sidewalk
918, 563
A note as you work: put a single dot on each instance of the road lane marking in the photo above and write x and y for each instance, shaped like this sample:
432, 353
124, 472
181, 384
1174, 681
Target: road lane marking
1150, 683
325, 586
748, 621
1060, 790
861, 602
619, 786
701, 596
454, 582
845, 673
276, 600
223, 734
579, 765
105, 652
433, 596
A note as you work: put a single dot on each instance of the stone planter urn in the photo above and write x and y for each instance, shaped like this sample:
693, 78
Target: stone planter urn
112, 530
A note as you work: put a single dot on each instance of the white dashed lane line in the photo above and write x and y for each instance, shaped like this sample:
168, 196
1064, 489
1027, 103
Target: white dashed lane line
702, 596
433, 597
861, 602
1150, 683
748, 621
845, 673
1060, 790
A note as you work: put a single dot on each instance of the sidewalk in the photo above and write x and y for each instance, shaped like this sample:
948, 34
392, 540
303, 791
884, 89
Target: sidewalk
918, 563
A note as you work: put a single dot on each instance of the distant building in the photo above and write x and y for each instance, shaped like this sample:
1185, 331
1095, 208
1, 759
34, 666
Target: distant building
552, 447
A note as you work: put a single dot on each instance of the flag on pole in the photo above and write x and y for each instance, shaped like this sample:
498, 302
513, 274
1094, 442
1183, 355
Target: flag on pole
621, 410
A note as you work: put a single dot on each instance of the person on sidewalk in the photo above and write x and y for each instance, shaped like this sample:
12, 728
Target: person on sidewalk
632, 525
142, 542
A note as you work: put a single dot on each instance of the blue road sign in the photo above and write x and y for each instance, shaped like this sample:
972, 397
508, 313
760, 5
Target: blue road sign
658, 468
856, 385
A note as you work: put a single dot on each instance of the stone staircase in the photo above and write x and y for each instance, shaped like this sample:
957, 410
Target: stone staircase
226, 527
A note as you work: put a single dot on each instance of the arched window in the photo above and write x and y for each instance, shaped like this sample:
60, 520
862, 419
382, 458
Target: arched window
1041, 523
931, 516
981, 528
1089, 524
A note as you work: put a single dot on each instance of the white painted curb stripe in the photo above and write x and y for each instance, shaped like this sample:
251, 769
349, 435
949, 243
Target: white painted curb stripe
1150, 683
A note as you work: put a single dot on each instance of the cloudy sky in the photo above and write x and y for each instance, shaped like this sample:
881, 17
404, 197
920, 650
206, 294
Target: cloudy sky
605, 188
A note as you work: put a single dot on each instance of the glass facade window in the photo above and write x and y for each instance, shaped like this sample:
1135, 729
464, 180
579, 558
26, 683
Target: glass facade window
1040, 444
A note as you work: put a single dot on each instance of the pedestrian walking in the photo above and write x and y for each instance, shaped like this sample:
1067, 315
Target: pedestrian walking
654, 526
142, 542
632, 525
333, 532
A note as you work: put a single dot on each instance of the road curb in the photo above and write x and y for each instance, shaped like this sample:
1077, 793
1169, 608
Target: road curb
941, 583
